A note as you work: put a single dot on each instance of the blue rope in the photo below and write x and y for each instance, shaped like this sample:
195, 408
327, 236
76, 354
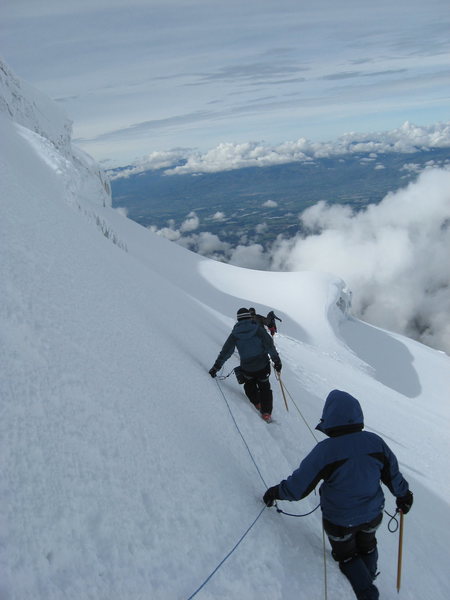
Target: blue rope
251, 455
240, 433
301, 414
292, 515
227, 556
260, 512
393, 524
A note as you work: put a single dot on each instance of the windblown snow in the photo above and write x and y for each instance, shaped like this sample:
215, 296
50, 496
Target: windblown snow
127, 472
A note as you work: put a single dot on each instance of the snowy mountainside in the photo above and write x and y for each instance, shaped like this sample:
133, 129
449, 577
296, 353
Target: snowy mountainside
32, 109
124, 475
26, 106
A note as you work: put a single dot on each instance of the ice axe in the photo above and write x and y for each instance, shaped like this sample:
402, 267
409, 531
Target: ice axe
282, 389
400, 553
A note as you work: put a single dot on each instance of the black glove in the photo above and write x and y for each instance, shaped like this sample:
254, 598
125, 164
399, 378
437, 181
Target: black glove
213, 371
277, 366
405, 502
271, 495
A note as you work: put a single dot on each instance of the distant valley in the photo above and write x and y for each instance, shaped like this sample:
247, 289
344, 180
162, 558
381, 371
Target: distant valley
256, 204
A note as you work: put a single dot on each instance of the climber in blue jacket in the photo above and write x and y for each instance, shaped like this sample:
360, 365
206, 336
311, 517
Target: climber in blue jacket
254, 346
351, 463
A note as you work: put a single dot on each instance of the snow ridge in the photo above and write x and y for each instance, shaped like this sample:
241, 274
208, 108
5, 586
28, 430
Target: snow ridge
36, 113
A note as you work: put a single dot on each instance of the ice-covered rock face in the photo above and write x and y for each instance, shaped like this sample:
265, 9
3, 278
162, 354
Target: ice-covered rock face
36, 112
32, 109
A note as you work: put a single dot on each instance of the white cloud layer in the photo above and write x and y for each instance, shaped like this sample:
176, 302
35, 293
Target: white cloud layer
190, 223
204, 242
395, 256
228, 156
250, 257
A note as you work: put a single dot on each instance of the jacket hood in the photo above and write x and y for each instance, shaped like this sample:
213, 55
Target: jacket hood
245, 328
342, 413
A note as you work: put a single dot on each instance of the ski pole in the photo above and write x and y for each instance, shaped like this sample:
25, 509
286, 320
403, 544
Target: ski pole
282, 390
400, 553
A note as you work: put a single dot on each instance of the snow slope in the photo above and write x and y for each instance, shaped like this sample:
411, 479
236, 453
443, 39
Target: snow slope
127, 472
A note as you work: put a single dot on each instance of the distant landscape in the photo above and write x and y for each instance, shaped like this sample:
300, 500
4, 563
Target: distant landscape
256, 204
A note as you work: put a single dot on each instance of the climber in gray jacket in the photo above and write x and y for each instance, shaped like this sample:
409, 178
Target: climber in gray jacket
255, 346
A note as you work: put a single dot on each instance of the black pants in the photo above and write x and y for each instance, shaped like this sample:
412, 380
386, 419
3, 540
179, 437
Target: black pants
355, 549
257, 388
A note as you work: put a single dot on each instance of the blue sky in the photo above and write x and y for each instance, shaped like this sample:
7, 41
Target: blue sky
143, 76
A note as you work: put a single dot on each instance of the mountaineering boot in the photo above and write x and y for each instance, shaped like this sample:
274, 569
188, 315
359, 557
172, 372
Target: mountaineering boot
267, 418
360, 579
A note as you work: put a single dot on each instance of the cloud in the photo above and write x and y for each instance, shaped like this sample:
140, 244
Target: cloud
250, 257
354, 74
169, 233
190, 223
394, 256
153, 162
270, 204
418, 168
144, 127
208, 244
343, 75
246, 254
261, 228
204, 243
122, 210
228, 156
218, 216
255, 72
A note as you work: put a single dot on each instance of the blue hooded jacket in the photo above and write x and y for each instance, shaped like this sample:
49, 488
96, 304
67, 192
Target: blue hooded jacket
351, 463
254, 345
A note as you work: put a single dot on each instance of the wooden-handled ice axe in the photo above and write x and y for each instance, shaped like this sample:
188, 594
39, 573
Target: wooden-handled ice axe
282, 389
400, 553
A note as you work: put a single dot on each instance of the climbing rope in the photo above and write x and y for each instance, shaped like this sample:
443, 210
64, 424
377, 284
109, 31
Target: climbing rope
392, 524
301, 414
227, 556
284, 388
292, 515
222, 377
240, 432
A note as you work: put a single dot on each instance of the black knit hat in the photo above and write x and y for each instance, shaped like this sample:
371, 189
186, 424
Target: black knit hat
243, 313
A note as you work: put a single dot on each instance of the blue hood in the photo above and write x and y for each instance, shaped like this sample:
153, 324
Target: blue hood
341, 412
245, 329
